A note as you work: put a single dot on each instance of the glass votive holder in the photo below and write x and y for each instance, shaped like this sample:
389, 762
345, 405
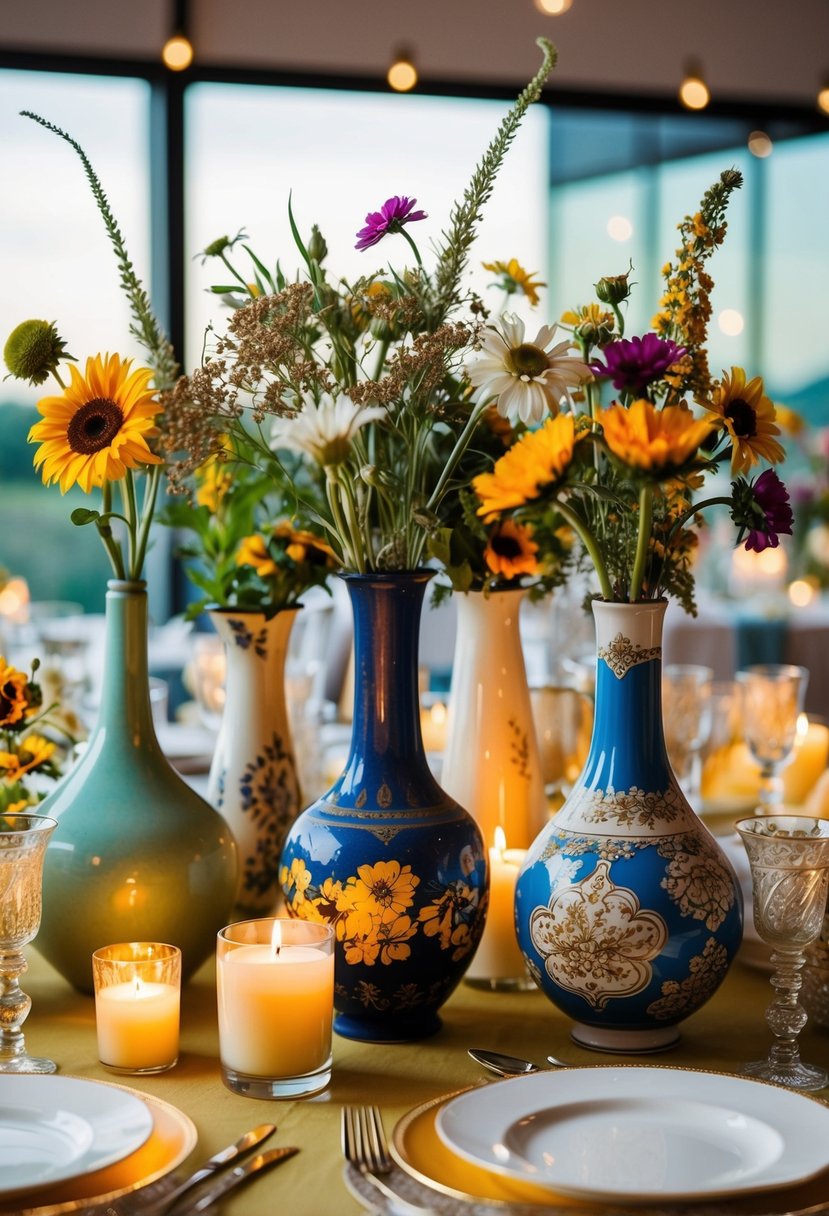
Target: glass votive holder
137, 1006
275, 982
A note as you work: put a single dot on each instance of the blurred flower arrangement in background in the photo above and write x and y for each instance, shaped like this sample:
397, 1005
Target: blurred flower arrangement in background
810, 498
31, 756
622, 479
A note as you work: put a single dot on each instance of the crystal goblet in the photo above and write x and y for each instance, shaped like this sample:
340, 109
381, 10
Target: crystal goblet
23, 840
789, 860
771, 699
686, 713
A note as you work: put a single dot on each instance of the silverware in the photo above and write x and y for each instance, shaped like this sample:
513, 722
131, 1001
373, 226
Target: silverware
364, 1146
250, 1140
510, 1066
235, 1177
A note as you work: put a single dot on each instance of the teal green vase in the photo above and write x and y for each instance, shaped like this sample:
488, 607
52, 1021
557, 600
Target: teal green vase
137, 854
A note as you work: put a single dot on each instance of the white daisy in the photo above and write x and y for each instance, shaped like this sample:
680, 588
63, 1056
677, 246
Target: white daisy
325, 428
527, 379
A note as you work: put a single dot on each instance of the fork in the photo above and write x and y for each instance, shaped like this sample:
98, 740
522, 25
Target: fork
364, 1146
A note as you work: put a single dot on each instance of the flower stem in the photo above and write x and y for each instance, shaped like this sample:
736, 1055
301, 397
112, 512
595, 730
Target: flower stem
589, 541
414, 247
642, 542
105, 532
150, 495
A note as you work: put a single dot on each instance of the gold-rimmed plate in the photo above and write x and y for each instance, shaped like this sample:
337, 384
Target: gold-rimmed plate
419, 1150
171, 1140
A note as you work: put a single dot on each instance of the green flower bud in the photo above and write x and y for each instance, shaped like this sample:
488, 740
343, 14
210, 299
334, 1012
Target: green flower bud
317, 248
33, 351
216, 248
613, 288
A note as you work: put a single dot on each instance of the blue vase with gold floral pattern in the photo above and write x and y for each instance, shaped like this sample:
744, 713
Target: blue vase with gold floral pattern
388, 858
627, 911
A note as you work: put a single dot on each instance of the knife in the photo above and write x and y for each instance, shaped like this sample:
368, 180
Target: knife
236, 1176
250, 1139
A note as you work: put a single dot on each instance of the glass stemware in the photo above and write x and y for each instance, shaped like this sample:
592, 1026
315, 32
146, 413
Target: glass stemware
686, 714
789, 860
771, 700
23, 840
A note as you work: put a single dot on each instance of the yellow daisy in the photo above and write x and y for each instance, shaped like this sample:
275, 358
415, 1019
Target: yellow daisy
305, 546
14, 701
652, 439
253, 551
747, 414
213, 480
538, 459
513, 278
99, 427
511, 550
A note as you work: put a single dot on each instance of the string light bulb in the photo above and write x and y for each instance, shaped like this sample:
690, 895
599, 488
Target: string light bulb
177, 52
402, 74
693, 91
823, 97
552, 8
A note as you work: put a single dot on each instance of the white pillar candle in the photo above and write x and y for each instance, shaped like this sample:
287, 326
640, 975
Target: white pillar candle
138, 1025
498, 956
276, 1008
808, 761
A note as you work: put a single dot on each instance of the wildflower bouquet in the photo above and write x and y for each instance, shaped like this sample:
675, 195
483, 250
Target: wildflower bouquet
364, 380
27, 754
99, 431
624, 476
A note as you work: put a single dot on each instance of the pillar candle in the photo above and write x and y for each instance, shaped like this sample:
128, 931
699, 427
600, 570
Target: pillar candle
498, 956
275, 1009
809, 759
138, 1025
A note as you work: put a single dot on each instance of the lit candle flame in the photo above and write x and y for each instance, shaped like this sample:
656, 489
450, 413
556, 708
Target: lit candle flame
276, 938
802, 726
500, 841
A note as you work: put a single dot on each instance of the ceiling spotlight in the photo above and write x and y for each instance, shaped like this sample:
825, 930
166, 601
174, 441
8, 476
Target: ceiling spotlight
552, 8
177, 52
823, 97
402, 75
694, 92
759, 144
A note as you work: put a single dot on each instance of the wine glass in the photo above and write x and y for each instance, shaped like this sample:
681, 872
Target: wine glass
789, 860
686, 713
23, 840
771, 699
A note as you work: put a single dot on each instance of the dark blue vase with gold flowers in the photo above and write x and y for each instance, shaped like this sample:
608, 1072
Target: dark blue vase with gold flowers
385, 856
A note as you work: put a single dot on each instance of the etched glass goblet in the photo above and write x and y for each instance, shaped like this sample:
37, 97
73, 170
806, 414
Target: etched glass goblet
789, 860
23, 840
686, 714
771, 699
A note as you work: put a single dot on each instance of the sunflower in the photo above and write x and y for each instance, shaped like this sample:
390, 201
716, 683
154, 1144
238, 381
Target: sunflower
652, 439
14, 697
213, 480
253, 551
537, 460
511, 550
527, 379
301, 546
513, 278
746, 413
98, 428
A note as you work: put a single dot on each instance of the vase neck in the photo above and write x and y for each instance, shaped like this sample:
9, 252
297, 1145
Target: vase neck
628, 741
125, 694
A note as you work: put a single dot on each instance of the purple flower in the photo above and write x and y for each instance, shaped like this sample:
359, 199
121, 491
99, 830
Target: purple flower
391, 217
771, 499
634, 363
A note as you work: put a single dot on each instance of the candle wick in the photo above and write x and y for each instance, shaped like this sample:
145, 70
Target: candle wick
278, 948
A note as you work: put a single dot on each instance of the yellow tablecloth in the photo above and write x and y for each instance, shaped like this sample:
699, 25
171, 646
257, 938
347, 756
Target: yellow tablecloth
727, 1031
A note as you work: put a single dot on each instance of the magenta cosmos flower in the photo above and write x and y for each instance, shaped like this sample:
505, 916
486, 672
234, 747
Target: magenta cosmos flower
634, 363
391, 217
772, 499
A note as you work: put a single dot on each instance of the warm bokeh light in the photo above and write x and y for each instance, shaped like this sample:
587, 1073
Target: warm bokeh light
823, 98
177, 53
694, 93
619, 228
402, 75
552, 8
14, 600
759, 144
802, 592
731, 322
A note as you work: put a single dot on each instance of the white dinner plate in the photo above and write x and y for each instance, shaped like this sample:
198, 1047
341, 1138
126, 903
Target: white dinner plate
640, 1133
55, 1128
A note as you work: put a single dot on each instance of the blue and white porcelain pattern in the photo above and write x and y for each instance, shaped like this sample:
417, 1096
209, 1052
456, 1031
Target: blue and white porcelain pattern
627, 910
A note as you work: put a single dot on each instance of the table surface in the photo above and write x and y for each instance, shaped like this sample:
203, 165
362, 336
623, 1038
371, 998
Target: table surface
728, 1030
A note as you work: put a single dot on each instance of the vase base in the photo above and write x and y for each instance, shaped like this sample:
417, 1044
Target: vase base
625, 1042
401, 1030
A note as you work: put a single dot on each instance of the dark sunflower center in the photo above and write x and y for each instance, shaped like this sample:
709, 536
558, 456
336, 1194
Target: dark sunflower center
506, 546
742, 417
94, 426
528, 360
382, 893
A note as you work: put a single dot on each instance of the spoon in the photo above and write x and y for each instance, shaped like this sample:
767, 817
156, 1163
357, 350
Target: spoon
510, 1066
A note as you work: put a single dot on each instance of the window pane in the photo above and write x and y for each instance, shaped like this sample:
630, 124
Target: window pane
58, 266
341, 155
